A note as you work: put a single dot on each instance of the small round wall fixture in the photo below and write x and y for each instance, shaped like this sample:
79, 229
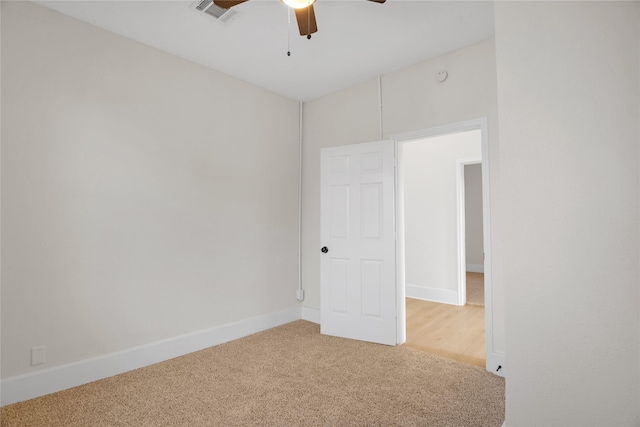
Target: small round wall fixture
442, 76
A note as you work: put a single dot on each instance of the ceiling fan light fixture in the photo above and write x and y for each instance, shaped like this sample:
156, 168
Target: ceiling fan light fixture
298, 4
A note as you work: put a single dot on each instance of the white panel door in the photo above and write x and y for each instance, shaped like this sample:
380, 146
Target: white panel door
358, 249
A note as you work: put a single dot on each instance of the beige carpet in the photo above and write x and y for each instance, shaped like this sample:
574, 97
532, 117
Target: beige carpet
475, 289
286, 376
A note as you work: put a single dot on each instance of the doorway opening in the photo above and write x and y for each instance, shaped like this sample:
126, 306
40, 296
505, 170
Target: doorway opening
470, 223
443, 245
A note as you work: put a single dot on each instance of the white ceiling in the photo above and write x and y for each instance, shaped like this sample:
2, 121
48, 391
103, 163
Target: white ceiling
356, 40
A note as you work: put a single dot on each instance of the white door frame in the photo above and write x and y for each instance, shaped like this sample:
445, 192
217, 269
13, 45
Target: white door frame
462, 227
474, 124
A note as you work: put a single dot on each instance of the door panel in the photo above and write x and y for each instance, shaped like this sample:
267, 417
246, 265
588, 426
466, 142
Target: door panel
339, 280
339, 216
371, 287
358, 272
371, 210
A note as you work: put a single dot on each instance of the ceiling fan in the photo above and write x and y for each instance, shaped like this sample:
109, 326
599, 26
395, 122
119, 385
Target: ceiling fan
305, 15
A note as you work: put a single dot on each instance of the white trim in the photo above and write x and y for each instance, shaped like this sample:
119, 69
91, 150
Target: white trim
486, 232
495, 361
457, 127
445, 296
401, 315
310, 314
462, 231
29, 386
475, 268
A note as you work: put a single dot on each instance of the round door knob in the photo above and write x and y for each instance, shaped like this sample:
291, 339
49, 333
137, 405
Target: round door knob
324, 250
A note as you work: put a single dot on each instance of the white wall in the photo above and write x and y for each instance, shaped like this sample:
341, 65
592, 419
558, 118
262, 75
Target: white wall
430, 172
473, 217
412, 99
139, 195
568, 91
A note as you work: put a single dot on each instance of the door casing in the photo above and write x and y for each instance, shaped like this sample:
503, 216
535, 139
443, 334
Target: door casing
492, 358
399, 139
462, 227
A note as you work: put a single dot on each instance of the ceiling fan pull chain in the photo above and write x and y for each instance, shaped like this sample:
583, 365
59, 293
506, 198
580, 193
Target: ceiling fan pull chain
288, 31
309, 23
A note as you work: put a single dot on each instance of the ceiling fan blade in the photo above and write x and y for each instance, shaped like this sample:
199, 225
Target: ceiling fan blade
378, 1
227, 4
306, 20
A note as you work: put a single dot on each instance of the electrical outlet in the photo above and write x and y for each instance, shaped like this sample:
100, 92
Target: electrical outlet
38, 355
300, 294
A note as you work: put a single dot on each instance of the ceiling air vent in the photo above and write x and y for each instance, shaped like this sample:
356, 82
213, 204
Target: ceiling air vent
216, 12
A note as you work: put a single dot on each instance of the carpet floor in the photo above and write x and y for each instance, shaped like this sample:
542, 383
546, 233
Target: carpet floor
475, 289
286, 376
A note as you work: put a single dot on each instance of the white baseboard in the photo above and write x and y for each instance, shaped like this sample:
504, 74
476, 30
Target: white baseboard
311, 314
495, 361
475, 268
29, 386
432, 294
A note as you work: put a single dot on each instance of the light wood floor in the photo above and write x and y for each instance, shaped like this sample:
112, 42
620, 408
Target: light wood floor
447, 330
